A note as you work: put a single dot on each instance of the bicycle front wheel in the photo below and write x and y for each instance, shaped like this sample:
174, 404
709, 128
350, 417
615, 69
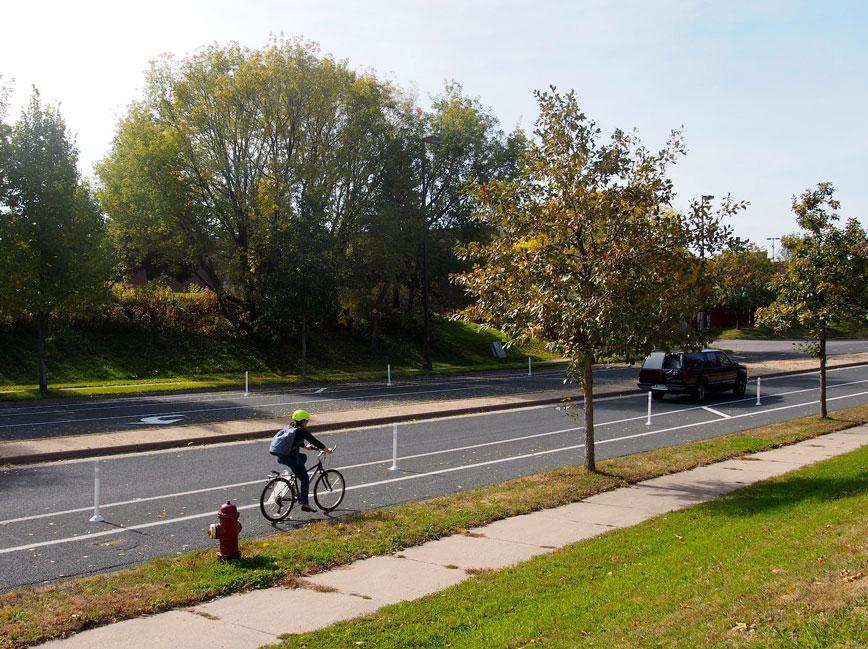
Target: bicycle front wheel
277, 499
329, 490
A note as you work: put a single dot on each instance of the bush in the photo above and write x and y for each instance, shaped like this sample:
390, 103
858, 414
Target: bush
156, 306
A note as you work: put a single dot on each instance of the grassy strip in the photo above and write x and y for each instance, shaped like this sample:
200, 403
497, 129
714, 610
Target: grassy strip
781, 563
31, 615
103, 361
761, 333
257, 380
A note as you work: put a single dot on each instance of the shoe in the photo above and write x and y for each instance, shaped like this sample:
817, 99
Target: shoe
308, 508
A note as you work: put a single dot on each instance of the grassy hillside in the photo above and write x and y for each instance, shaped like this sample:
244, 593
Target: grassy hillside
116, 356
761, 333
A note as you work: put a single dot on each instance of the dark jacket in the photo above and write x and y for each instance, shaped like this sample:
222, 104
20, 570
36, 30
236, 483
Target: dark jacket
303, 435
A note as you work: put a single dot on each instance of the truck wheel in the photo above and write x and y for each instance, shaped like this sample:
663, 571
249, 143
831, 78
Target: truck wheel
701, 391
657, 395
740, 386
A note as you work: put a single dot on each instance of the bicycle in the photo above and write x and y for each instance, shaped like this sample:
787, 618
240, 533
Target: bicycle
281, 490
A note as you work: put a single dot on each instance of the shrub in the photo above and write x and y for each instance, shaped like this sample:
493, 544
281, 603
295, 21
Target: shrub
156, 306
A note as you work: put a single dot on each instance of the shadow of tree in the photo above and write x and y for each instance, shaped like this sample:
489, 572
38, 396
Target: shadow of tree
784, 494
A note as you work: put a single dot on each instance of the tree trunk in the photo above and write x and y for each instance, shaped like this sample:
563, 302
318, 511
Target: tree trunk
40, 343
823, 411
376, 313
588, 390
304, 347
375, 329
411, 298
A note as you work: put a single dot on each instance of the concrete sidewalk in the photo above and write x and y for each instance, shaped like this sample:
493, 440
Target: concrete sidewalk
148, 439
252, 619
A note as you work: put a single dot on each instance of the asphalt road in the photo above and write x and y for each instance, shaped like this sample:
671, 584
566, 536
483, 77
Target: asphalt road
62, 417
160, 503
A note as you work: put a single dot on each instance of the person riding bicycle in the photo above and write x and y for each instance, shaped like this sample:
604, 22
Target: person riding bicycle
286, 446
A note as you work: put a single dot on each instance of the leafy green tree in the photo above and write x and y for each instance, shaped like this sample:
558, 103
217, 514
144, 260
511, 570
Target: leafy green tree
5, 132
231, 149
586, 252
710, 232
54, 260
823, 281
743, 280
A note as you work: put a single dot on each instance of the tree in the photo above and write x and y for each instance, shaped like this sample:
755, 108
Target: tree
743, 280
710, 232
823, 282
586, 252
231, 149
5, 132
53, 254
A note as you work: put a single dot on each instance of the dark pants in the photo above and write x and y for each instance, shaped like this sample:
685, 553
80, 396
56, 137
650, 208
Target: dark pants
296, 462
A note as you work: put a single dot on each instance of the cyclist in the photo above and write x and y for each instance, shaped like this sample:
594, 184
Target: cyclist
294, 459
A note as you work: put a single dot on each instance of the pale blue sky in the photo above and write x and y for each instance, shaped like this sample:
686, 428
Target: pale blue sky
772, 95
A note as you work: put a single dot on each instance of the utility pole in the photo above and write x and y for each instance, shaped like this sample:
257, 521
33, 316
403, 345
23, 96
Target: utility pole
773, 239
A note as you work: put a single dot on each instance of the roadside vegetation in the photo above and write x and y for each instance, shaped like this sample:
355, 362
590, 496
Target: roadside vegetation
113, 357
31, 615
766, 333
779, 564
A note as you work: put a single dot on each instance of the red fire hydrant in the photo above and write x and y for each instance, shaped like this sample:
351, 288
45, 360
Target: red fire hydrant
226, 531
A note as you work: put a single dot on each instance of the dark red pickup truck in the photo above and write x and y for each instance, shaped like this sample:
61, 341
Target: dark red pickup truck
695, 373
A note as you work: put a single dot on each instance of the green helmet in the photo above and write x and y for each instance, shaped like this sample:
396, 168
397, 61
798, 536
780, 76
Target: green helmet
300, 415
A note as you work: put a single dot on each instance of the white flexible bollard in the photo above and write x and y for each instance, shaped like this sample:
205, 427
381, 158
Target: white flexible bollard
529, 368
758, 389
389, 376
394, 466
96, 518
246, 383
648, 421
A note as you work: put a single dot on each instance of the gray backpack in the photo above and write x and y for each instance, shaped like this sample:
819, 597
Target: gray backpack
281, 443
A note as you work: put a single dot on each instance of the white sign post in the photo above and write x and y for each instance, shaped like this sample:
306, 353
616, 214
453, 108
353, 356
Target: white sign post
96, 518
648, 421
394, 466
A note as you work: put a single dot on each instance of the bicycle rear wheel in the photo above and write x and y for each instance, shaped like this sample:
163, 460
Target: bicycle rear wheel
329, 490
277, 499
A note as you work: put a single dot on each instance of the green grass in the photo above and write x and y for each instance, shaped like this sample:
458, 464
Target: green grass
761, 333
99, 361
781, 563
31, 615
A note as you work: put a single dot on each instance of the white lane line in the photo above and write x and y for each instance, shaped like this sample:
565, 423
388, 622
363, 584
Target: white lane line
415, 476
440, 452
236, 485
717, 421
205, 410
412, 477
168, 521
716, 412
481, 381
320, 391
224, 395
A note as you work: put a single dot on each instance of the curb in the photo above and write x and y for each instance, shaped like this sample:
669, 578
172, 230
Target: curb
51, 456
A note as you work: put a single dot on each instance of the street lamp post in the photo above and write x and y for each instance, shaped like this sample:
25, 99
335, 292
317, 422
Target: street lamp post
426, 312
